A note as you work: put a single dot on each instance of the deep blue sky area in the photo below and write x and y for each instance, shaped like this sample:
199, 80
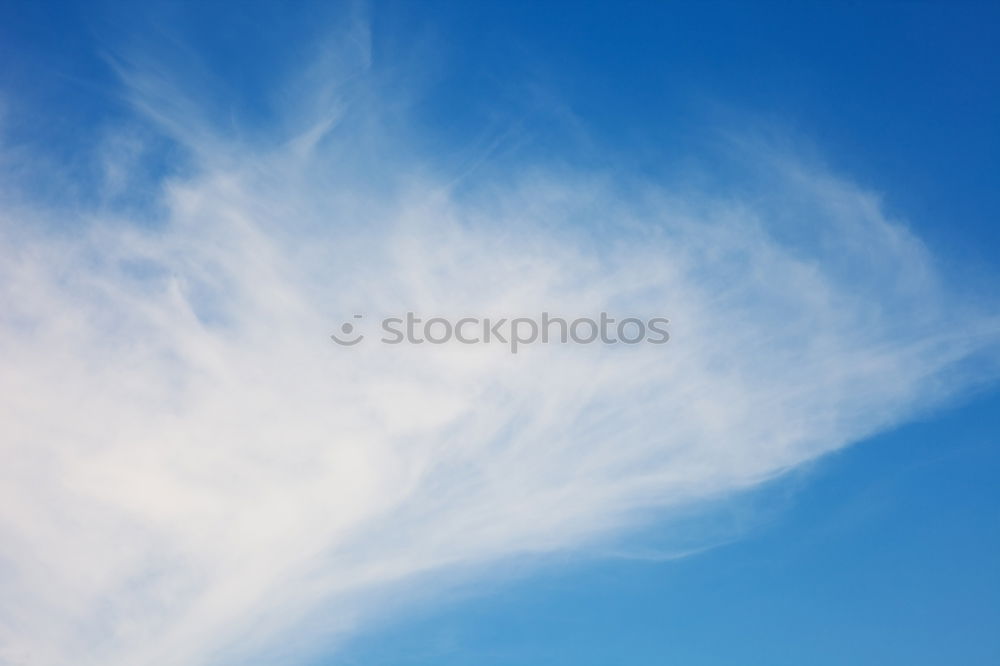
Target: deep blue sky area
902, 96
885, 553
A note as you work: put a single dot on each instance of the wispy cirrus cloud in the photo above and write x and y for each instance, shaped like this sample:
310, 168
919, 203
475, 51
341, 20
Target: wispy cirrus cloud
195, 474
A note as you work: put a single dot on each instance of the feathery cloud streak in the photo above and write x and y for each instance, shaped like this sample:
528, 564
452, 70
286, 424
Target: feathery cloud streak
194, 474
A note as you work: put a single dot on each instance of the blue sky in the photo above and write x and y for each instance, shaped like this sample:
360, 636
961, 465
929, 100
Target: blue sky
191, 198
884, 554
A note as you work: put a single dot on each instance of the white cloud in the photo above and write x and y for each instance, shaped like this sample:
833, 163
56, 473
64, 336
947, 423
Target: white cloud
192, 469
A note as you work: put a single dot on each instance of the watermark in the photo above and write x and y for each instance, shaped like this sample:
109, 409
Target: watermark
514, 333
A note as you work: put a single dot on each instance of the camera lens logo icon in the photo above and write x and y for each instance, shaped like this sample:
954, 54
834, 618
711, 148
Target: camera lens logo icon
347, 329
